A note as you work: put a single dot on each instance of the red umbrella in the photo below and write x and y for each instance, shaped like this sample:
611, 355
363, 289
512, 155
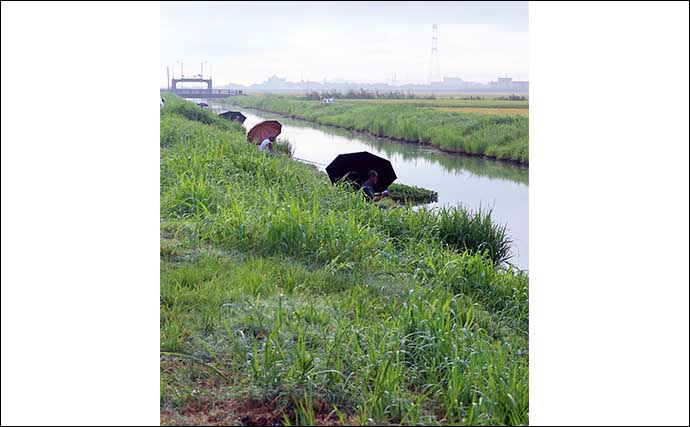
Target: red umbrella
264, 130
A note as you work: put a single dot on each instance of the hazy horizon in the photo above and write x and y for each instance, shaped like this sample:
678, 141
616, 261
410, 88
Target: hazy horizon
363, 42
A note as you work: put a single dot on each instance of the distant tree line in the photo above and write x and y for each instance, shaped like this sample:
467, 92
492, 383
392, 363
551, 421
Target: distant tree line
512, 98
376, 94
364, 94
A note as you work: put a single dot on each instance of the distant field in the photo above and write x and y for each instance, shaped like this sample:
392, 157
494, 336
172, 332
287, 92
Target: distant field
446, 102
491, 111
490, 105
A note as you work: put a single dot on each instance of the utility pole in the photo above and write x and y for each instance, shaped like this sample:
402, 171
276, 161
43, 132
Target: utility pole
167, 71
434, 67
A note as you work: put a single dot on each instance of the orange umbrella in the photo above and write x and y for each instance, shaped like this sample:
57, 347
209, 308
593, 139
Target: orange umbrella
264, 130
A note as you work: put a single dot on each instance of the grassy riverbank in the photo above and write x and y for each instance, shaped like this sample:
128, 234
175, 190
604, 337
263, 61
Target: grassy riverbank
285, 299
441, 123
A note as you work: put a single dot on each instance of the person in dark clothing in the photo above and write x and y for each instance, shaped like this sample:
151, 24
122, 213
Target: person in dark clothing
368, 187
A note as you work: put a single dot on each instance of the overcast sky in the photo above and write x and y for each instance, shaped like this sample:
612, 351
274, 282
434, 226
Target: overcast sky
246, 42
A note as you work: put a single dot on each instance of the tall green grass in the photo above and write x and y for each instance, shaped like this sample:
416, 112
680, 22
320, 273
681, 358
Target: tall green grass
280, 288
474, 232
284, 146
175, 105
502, 137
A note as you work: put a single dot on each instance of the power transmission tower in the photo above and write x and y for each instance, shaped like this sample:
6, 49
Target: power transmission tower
434, 66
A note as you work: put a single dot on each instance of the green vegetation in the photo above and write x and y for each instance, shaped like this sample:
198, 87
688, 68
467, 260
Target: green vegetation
486, 101
287, 300
364, 94
453, 102
191, 111
513, 98
283, 146
493, 135
411, 195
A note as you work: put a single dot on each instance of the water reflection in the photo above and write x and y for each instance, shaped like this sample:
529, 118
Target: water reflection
450, 162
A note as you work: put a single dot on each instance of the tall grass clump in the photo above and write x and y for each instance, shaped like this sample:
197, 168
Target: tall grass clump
412, 195
283, 146
474, 232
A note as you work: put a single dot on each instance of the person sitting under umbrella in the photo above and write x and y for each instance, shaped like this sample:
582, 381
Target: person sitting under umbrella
267, 144
368, 187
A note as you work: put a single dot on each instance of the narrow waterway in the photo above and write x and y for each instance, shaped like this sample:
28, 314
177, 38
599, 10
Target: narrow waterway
472, 182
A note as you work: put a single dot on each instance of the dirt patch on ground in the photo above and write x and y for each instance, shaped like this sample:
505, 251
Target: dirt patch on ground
219, 414
249, 413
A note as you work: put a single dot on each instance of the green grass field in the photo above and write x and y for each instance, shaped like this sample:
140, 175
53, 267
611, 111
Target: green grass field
287, 300
450, 124
457, 102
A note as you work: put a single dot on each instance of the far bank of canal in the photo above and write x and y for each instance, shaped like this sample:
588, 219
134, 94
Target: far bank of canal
470, 181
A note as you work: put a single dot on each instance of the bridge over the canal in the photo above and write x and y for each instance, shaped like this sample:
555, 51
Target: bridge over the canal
207, 92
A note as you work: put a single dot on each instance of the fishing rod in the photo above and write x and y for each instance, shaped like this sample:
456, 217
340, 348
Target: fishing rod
309, 161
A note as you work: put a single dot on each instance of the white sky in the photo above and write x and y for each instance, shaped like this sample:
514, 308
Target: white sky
246, 42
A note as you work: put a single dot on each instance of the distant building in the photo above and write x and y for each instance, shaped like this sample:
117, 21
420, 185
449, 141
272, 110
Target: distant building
275, 80
508, 84
521, 85
504, 82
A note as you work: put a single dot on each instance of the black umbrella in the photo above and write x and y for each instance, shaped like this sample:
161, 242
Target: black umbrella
233, 115
355, 167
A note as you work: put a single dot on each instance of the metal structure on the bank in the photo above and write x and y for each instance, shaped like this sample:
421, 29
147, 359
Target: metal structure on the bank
206, 93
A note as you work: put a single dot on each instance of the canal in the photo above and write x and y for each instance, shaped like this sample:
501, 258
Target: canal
472, 182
